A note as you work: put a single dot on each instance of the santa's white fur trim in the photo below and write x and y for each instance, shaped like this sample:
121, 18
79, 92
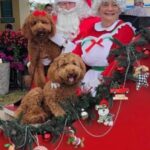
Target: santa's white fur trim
57, 1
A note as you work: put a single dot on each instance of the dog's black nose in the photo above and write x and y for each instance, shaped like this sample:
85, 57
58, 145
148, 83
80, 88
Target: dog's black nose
41, 33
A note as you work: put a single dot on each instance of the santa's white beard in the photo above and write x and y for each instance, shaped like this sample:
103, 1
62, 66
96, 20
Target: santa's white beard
68, 23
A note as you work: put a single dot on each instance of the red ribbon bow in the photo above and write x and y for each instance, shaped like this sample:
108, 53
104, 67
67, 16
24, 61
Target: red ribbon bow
39, 13
99, 42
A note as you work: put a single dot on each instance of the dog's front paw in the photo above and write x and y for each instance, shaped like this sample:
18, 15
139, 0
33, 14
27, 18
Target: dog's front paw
60, 113
37, 118
55, 85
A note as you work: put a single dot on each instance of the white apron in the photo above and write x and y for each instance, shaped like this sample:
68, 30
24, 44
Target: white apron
95, 51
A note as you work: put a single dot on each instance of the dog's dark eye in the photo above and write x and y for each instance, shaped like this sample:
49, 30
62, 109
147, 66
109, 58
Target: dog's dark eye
33, 23
74, 63
62, 65
44, 22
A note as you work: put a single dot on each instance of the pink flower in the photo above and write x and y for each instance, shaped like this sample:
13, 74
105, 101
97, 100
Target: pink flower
9, 58
2, 55
9, 48
13, 48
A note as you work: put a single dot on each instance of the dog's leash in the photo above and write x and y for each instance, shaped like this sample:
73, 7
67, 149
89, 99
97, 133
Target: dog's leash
32, 76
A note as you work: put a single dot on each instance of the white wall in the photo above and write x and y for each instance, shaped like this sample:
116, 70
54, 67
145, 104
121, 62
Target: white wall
147, 10
24, 10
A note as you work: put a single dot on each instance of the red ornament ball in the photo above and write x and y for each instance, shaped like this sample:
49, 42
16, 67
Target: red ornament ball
47, 137
146, 52
40, 148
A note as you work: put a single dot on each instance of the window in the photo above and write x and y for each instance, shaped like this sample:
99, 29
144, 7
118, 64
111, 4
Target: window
6, 11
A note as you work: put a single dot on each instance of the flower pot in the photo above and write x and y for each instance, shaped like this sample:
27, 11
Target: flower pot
4, 78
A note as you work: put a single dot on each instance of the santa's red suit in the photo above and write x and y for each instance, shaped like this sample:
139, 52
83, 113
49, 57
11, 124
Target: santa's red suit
85, 25
95, 46
72, 22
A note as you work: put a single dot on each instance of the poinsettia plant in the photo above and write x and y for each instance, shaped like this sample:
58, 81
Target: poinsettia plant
13, 49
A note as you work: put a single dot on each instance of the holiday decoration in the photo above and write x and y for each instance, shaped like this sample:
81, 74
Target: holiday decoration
142, 74
79, 91
47, 137
84, 114
121, 69
10, 146
39, 13
40, 148
146, 51
126, 56
103, 111
74, 140
119, 93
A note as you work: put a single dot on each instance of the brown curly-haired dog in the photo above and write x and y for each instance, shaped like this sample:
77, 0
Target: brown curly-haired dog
38, 28
31, 107
65, 74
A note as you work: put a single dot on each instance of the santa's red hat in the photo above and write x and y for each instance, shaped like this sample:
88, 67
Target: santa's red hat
89, 2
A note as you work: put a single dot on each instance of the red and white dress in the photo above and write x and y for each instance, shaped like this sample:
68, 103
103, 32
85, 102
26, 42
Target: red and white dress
69, 44
94, 48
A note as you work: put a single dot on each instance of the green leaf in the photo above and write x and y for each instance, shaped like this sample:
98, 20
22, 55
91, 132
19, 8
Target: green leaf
7, 145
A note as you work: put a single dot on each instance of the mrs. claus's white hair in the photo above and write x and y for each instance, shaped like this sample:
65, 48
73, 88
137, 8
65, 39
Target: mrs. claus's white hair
96, 4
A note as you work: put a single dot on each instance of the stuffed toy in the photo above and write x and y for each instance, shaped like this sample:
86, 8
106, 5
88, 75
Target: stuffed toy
38, 29
103, 111
65, 73
74, 140
141, 74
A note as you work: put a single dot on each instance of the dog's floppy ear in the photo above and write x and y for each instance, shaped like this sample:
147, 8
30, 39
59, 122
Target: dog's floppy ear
52, 69
26, 30
53, 26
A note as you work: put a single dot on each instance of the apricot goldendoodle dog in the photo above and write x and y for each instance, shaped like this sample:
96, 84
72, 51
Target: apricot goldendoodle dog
38, 28
65, 74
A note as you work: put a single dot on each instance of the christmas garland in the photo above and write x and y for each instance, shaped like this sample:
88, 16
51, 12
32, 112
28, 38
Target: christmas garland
125, 58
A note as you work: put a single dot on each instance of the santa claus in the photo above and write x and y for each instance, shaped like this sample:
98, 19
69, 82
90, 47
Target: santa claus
69, 15
72, 20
